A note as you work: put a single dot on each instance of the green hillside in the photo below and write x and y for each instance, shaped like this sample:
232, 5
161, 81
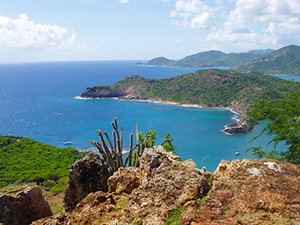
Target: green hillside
219, 59
23, 159
210, 59
283, 61
210, 88
159, 61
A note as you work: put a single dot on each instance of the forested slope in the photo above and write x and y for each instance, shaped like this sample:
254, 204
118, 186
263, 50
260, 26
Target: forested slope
208, 88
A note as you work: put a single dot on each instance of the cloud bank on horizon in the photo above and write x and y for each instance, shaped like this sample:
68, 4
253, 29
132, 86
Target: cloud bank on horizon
129, 29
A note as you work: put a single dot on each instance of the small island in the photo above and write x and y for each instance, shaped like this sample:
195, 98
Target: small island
210, 88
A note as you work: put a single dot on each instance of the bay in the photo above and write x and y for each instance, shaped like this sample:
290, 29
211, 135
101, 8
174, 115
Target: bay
38, 100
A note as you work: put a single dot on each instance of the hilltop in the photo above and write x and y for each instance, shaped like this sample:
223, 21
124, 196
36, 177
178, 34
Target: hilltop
219, 59
206, 88
283, 61
159, 61
210, 59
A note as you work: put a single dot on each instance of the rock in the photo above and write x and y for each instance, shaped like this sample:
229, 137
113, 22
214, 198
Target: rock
61, 218
242, 192
124, 180
23, 206
88, 211
87, 175
167, 183
254, 191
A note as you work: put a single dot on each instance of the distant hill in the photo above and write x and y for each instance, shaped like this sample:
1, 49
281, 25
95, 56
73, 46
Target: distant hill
283, 61
219, 59
159, 61
209, 88
210, 59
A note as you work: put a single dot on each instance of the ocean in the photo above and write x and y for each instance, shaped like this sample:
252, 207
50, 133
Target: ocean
40, 101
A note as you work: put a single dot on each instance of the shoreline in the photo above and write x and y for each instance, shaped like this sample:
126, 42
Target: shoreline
165, 102
177, 104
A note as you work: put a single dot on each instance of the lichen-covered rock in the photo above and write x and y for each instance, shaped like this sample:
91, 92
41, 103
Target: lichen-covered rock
167, 184
242, 192
23, 206
87, 175
254, 192
124, 180
89, 211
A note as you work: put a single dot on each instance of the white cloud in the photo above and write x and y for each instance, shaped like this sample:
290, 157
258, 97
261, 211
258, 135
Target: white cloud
194, 14
124, 1
257, 23
22, 33
264, 11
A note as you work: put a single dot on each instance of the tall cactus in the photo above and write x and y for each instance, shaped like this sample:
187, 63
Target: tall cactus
112, 152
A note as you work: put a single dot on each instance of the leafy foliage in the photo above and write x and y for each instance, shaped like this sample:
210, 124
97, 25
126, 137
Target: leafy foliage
284, 125
25, 160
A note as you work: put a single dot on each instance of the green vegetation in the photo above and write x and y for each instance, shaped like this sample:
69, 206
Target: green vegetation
218, 58
284, 125
26, 160
159, 61
111, 150
210, 88
282, 61
210, 59
174, 216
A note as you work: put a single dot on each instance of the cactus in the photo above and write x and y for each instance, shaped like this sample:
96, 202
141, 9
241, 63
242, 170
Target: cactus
111, 152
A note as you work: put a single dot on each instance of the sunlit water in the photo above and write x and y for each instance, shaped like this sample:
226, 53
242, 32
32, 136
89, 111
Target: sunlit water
39, 101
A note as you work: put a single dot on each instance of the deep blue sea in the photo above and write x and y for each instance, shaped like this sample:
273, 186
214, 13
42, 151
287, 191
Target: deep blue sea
38, 100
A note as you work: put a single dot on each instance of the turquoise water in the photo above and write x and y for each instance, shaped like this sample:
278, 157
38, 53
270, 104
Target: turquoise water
39, 101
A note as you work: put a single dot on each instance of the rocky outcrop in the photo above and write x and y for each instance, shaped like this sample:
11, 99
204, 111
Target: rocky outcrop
244, 125
87, 175
125, 180
163, 183
102, 92
23, 206
252, 192
165, 189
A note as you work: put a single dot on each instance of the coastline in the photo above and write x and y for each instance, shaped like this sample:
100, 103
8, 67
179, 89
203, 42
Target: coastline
226, 127
164, 102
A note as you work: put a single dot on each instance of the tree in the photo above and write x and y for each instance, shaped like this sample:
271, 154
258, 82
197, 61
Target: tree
284, 125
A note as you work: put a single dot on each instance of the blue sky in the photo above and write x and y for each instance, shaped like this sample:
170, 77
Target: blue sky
67, 30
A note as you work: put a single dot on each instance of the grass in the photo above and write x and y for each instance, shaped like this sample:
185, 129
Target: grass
175, 216
57, 209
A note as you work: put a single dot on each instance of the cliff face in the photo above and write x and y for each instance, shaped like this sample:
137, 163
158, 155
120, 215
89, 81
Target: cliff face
165, 189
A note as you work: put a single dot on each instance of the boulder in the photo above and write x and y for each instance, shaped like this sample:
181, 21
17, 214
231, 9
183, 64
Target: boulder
125, 180
89, 211
253, 192
23, 206
87, 175
167, 183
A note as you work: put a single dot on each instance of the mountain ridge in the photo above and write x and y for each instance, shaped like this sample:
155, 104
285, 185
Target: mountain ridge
282, 61
213, 58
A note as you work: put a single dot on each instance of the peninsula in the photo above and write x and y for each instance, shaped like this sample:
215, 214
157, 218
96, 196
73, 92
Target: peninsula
205, 88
